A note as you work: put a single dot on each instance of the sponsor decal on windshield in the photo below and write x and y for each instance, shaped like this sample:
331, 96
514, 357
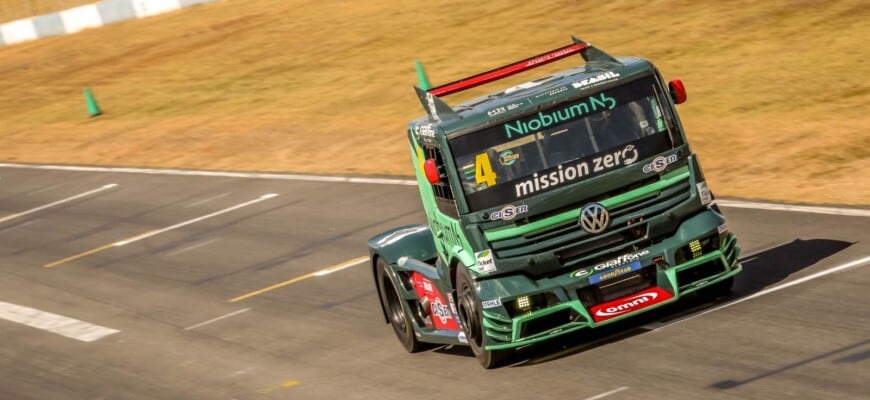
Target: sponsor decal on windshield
508, 158
567, 173
545, 119
630, 303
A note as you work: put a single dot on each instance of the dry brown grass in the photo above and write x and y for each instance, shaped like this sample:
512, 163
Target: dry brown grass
14, 9
777, 107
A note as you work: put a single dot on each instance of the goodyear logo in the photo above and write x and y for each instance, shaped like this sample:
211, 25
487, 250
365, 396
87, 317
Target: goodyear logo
614, 272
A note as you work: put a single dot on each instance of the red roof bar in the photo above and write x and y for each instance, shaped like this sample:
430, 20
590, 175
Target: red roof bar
508, 70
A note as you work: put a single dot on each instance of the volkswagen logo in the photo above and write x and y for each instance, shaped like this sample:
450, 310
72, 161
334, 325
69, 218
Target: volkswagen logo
594, 218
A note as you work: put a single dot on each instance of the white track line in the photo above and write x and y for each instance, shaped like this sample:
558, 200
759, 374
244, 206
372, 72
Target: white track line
194, 246
59, 202
224, 174
857, 263
159, 231
605, 394
203, 323
388, 181
192, 221
203, 201
65, 326
855, 212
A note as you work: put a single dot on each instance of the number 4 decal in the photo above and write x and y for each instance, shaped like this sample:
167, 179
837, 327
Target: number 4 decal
483, 172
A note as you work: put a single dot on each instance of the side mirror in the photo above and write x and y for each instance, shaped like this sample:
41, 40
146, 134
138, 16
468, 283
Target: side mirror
678, 91
431, 170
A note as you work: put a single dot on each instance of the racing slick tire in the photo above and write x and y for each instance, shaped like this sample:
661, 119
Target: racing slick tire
717, 290
392, 301
471, 317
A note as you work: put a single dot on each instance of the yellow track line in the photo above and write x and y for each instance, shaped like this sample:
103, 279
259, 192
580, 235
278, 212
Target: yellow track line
80, 255
322, 272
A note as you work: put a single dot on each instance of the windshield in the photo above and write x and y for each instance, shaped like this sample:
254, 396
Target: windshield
564, 144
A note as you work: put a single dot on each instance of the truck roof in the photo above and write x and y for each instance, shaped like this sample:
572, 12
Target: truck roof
599, 72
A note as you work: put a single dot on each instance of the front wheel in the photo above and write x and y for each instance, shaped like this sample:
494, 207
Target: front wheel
471, 316
392, 301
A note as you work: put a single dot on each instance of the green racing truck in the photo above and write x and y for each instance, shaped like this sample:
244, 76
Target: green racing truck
565, 203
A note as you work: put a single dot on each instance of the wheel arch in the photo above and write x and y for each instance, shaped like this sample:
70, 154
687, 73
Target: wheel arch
412, 241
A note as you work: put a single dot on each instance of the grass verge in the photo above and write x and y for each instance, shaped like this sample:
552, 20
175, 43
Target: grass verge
777, 108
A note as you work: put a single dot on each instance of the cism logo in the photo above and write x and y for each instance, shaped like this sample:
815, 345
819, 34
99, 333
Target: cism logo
508, 212
659, 163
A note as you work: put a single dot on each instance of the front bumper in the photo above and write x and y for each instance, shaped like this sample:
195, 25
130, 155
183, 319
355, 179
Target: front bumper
670, 266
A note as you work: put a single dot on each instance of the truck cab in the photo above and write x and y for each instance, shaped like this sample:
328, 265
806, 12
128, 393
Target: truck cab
568, 202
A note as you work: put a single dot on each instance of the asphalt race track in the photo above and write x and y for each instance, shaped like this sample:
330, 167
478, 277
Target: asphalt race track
197, 287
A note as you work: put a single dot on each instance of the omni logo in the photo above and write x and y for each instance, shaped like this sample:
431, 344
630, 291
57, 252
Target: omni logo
630, 303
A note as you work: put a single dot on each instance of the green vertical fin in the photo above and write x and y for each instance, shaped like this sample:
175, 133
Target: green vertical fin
421, 76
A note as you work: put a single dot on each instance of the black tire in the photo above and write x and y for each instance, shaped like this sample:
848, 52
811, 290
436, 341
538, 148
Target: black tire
471, 316
717, 290
399, 318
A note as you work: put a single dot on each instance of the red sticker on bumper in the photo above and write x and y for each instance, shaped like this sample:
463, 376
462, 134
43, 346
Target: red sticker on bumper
630, 303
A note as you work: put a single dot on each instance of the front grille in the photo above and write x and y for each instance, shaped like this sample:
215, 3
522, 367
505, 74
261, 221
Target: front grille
631, 234
550, 321
617, 287
572, 245
700, 272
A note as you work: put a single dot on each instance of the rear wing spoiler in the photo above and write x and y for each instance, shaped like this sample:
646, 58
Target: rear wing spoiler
438, 110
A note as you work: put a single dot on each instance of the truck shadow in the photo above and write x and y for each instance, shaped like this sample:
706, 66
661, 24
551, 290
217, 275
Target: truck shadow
760, 270
856, 357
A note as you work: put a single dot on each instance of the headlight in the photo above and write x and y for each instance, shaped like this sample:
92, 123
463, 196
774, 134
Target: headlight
525, 305
698, 248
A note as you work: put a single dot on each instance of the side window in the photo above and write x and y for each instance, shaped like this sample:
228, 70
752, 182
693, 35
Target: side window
443, 193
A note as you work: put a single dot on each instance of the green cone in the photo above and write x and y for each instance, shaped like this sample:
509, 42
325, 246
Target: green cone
93, 108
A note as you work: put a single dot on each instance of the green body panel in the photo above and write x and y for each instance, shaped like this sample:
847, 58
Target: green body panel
659, 215
414, 241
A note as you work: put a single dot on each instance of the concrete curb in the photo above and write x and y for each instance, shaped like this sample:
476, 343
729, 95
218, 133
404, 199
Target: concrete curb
87, 16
